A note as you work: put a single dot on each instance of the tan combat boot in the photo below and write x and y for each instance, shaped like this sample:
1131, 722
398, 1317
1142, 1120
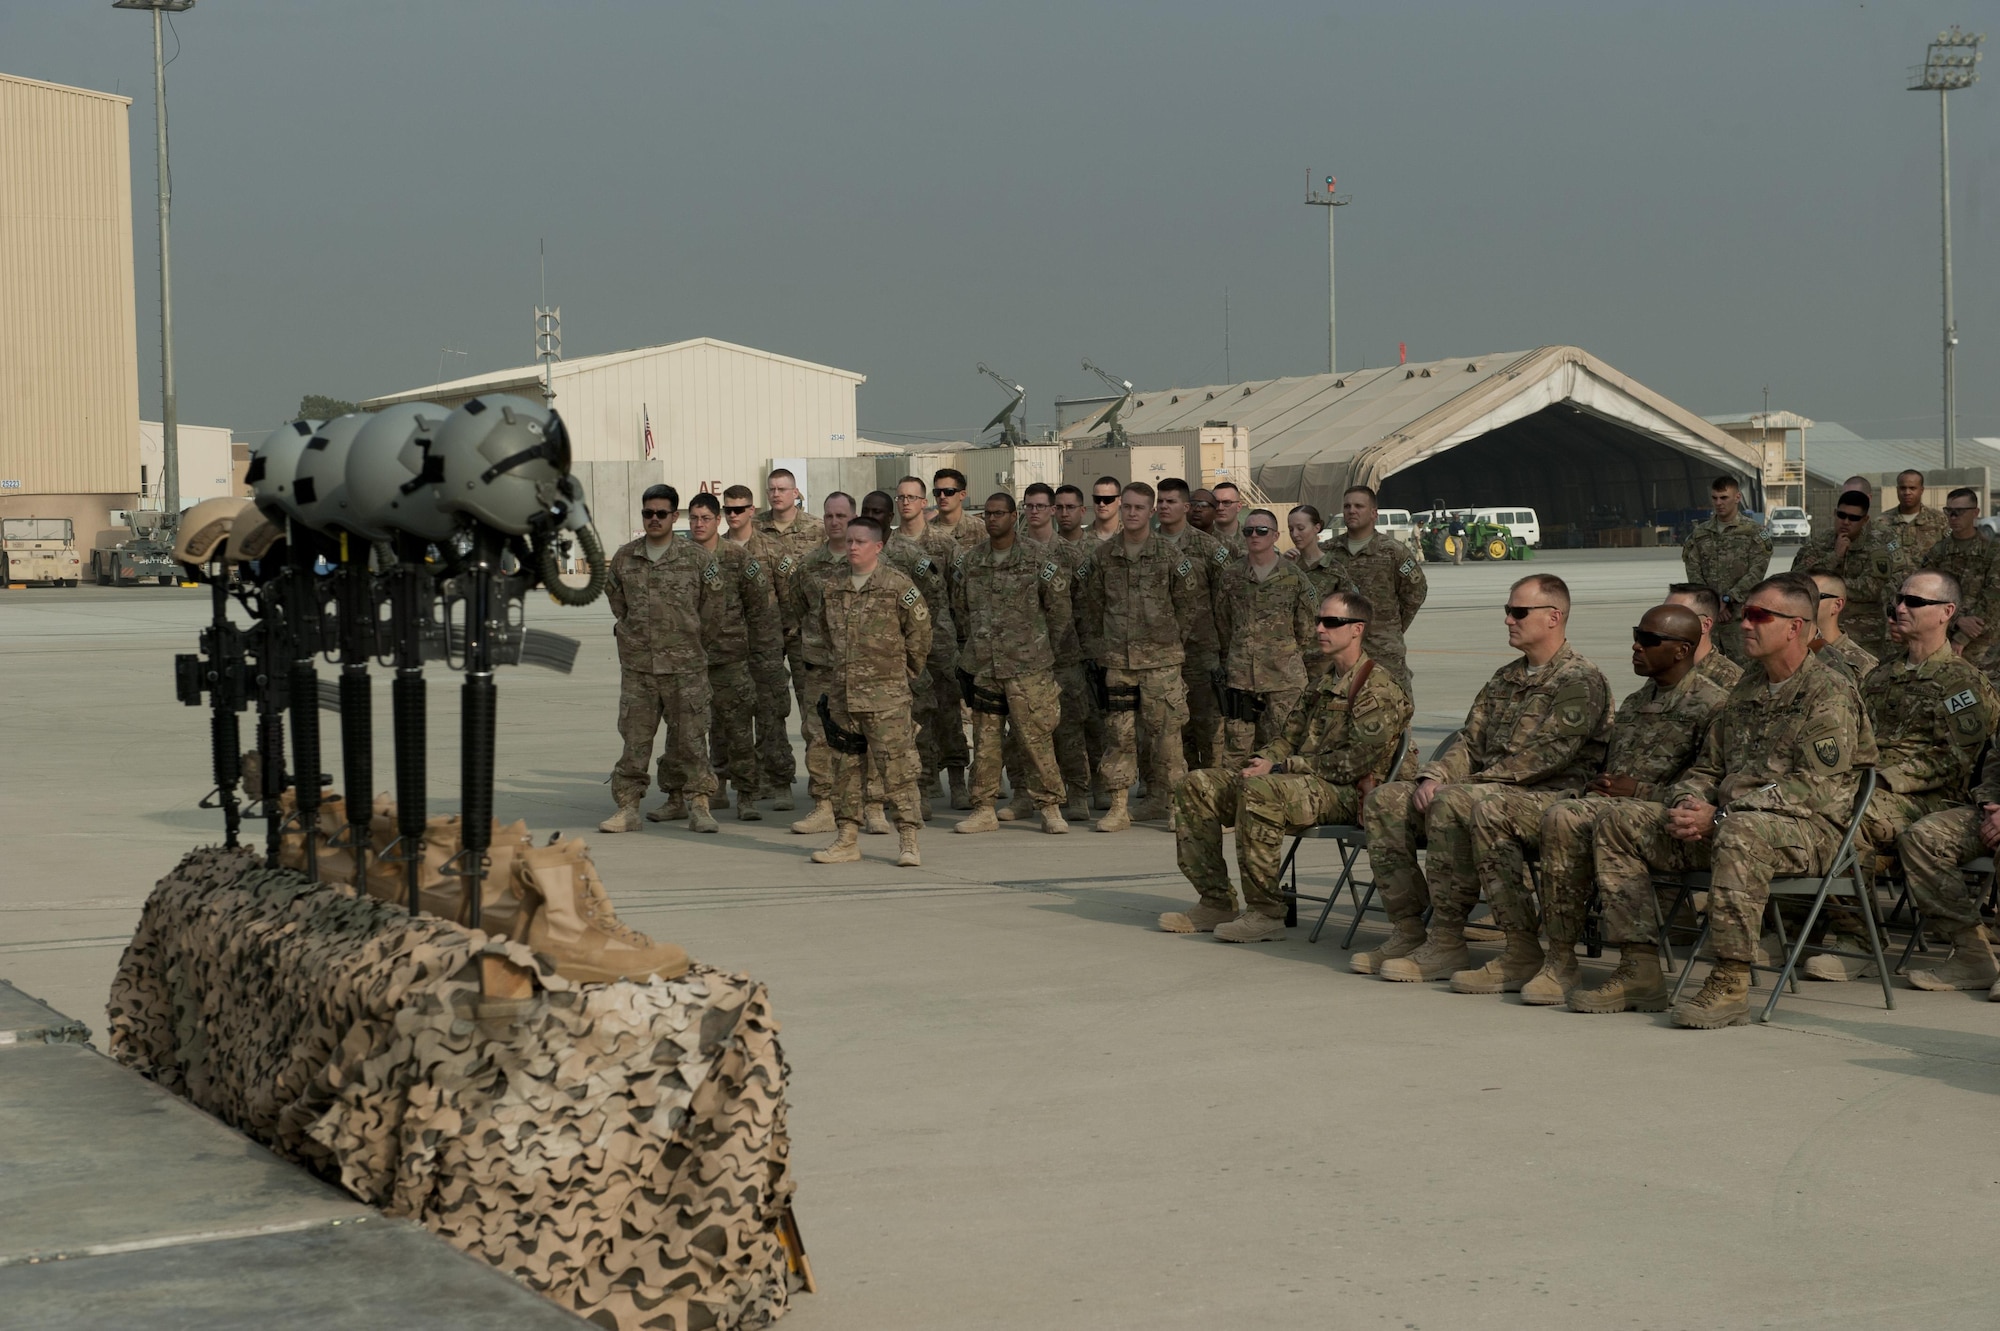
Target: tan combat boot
875, 822
1053, 821
1443, 953
1506, 973
625, 820
846, 847
979, 820
1250, 927
1971, 965
1559, 974
1407, 938
1117, 817
1018, 809
672, 809
909, 859
819, 820
955, 778
571, 922
1724, 999
1636, 986
1202, 919
699, 818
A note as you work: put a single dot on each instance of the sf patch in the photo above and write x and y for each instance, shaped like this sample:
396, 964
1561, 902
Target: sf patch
910, 599
786, 564
1048, 573
1221, 555
712, 574
753, 568
1184, 569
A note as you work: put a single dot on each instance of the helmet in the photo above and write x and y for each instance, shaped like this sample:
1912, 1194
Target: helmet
272, 464
319, 482
252, 535
506, 464
393, 472
204, 528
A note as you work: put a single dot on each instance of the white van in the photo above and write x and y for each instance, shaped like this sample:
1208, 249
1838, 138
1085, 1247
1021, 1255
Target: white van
1520, 522
1397, 524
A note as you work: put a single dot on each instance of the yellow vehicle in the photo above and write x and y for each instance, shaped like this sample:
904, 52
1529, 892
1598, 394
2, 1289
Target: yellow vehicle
39, 550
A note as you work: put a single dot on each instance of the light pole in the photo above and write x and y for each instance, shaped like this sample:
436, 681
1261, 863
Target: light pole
1329, 201
1951, 63
170, 442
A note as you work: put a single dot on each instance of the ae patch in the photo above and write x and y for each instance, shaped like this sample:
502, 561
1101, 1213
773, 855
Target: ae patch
1958, 702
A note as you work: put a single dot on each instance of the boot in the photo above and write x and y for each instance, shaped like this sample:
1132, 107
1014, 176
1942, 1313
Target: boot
819, 820
1559, 974
699, 818
746, 806
909, 859
1053, 821
1971, 965
1636, 986
1151, 809
1117, 817
625, 820
846, 847
1506, 973
1443, 952
1021, 807
1077, 810
979, 820
1724, 999
960, 799
875, 823
1251, 927
1100, 798
1821, 966
781, 799
1203, 919
571, 921
1407, 938
924, 805
672, 811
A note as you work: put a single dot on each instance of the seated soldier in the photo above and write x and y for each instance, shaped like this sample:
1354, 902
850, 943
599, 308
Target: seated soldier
1535, 733
1654, 737
1934, 851
1708, 607
1770, 794
1836, 647
1336, 745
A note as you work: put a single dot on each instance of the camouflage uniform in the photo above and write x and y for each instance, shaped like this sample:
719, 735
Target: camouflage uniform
1868, 569
1201, 738
1910, 541
1782, 767
662, 668
1933, 849
1012, 603
917, 564
1135, 613
1654, 737
1266, 629
943, 545
879, 638
780, 550
744, 638
1325, 578
1846, 656
1392, 578
1976, 565
1334, 738
1719, 669
812, 657
1229, 538
1534, 735
968, 531
1931, 721
1728, 558
1080, 735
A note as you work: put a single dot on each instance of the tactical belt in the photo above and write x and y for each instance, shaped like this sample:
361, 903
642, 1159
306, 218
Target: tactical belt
985, 701
1120, 697
838, 739
1243, 705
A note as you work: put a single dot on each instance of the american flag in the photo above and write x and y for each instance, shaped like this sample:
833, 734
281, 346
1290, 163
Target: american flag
647, 417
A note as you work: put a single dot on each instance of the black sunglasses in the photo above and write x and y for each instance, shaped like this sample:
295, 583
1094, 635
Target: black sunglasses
1914, 602
737, 508
1850, 517
1338, 621
1648, 639
1829, 596
660, 514
1104, 499
1521, 611
1260, 530
1757, 614
945, 491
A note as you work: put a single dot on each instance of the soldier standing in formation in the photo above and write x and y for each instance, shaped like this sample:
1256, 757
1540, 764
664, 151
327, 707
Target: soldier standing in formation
1707, 607
945, 704
1105, 520
1228, 527
948, 489
1041, 508
1201, 667
1307, 529
1728, 554
744, 640
781, 536
1080, 714
1829, 643
773, 769
1264, 618
1387, 573
1974, 563
812, 657
1910, 530
915, 561
1854, 551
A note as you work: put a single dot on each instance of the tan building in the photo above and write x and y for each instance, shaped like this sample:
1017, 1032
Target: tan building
69, 372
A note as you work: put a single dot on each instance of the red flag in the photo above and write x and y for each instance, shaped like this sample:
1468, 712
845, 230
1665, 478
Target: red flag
1402, 358
648, 418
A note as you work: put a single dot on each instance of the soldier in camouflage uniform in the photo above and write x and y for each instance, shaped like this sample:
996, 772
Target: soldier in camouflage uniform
1139, 597
1707, 607
772, 762
1830, 644
1728, 554
1934, 851
1228, 527
780, 537
745, 640
1387, 573
1335, 746
1264, 613
1306, 527
878, 632
1654, 736
1971, 559
1911, 530
812, 657
1855, 552
965, 529
1201, 739
1040, 509
946, 706
654, 590
1535, 733
1011, 597
1768, 795
915, 561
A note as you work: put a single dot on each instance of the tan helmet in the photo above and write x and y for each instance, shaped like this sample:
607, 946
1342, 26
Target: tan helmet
251, 536
204, 527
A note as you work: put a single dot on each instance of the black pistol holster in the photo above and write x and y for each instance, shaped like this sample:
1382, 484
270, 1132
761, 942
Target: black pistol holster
840, 740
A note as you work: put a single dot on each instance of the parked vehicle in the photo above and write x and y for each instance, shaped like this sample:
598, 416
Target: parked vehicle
141, 548
39, 550
1398, 524
1521, 522
1789, 524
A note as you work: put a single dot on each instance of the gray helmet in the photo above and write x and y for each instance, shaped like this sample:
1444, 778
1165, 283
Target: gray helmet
319, 482
272, 465
506, 464
205, 527
393, 474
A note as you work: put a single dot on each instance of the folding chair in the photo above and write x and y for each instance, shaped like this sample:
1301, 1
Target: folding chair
1845, 865
1982, 867
1351, 840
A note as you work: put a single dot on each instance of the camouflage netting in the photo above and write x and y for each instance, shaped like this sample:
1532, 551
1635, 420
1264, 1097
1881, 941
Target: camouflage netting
619, 1148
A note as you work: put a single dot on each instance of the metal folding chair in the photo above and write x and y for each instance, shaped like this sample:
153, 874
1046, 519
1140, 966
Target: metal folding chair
1981, 867
1351, 840
1843, 877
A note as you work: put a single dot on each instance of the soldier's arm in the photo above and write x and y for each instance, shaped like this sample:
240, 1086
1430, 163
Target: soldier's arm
1754, 569
961, 611
760, 616
1188, 589
1305, 621
1056, 610
614, 592
916, 625
1284, 745
1224, 601
1703, 778
1691, 559
1808, 559
1690, 747
1378, 718
1940, 755
1549, 739
1412, 587
1090, 610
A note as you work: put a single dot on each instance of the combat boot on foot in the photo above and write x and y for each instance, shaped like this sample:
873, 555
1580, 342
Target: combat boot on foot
909, 859
924, 805
1407, 938
672, 810
572, 922
874, 822
1442, 954
1078, 808
846, 847
1636, 986
819, 820
980, 820
1723, 1000
1053, 821
1559, 974
1116, 818
1971, 965
1821, 966
1506, 973
781, 800
1100, 798
1018, 809
746, 807
955, 777
699, 818
625, 820
1250, 927
1151, 809
1203, 919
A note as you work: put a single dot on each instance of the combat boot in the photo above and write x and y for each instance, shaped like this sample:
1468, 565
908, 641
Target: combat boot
1053, 821
819, 820
1559, 974
1151, 809
846, 847
1971, 965
625, 820
1407, 938
1506, 973
671, 810
1250, 927
1100, 798
924, 804
1636, 986
960, 798
1443, 952
1203, 919
746, 806
979, 820
1116, 818
781, 800
571, 921
909, 859
1021, 807
1078, 808
1822, 966
874, 822
699, 818
1724, 999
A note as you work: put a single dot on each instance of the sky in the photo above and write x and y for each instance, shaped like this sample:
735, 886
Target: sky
1715, 198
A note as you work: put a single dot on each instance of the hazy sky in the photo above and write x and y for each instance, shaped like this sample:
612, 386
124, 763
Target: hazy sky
1711, 196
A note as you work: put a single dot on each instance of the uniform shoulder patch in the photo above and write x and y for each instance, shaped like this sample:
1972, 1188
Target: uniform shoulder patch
753, 568
1958, 702
1083, 569
1221, 555
1827, 751
1049, 572
924, 564
787, 564
712, 573
1406, 566
910, 597
1186, 567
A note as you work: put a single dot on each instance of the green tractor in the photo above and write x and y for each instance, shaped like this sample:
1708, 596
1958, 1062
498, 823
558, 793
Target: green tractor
1483, 540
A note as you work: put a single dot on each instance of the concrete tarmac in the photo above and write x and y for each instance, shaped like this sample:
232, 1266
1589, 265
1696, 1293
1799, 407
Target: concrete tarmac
1014, 1103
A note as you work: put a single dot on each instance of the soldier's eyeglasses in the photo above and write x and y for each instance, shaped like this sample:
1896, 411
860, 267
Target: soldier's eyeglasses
1104, 499
656, 514
733, 509
1260, 530
1915, 602
1521, 611
1960, 510
1757, 614
1338, 621
993, 513
946, 492
1648, 639
1851, 517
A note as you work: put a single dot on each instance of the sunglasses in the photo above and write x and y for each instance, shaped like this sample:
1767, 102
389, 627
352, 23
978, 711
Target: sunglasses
1521, 611
1260, 530
946, 492
1104, 499
1914, 602
1829, 596
1959, 510
1757, 614
1851, 517
1648, 639
1338, 621
657, 514
734, 509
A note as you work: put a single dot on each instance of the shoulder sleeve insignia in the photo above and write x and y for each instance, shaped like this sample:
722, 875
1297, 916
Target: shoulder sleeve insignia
1406, 566
924, 564
753, 568
787, 564
1083, 569
1958, 702
1186, 567
1221, 555
1048, 573
910, 597
712, 573
1827, 751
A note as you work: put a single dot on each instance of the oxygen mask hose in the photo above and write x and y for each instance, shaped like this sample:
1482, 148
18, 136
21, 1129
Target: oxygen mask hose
548, 564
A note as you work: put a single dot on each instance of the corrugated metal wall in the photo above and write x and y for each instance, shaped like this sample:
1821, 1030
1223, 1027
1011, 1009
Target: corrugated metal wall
69, 371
